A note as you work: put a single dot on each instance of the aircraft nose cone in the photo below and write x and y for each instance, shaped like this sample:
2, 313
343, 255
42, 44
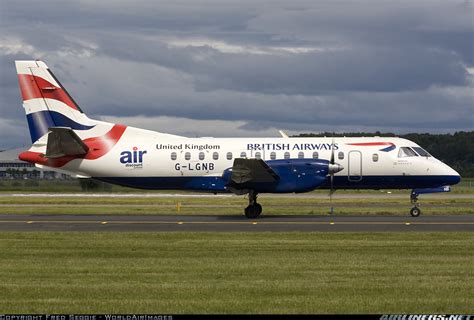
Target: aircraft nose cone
455, 179
334, 168
453, 176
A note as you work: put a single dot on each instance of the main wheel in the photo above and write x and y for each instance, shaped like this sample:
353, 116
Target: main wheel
258, 207
415, 212
253, 211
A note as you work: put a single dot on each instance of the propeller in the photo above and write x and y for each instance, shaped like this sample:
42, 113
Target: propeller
331, 176
332, 169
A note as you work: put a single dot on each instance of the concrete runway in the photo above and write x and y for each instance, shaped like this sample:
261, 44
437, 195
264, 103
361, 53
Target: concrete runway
216, 223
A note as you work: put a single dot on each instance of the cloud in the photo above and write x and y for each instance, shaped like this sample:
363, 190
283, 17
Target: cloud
309, 71
197, 128
248, 68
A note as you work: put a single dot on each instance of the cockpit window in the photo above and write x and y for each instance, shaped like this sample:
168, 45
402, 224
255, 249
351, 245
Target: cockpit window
406, 152
422, 152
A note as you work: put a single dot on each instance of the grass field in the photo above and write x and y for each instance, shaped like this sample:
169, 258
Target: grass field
383, 204
236, 273
73, 185
316, 203
183, 272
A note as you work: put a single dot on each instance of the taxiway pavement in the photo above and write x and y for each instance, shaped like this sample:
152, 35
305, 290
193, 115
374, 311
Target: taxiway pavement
234, 223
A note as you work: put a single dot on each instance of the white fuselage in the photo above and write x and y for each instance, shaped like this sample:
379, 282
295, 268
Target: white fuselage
144, 153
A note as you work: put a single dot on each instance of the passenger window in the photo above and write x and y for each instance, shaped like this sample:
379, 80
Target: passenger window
215, 156
340, 155
229, 155
187, 156
258, 155
406, 152
375, 157
273, 155
300, 155
201, 155
287, 155
173, 156
315, 155
243, 155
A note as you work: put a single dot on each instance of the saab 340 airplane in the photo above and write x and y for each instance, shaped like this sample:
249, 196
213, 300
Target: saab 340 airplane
66, 140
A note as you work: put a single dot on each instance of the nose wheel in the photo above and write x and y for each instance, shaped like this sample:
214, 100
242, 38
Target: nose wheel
254, 209
415, 211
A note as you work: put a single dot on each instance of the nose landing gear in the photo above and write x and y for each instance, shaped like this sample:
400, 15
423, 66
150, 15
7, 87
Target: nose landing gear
415, 211
254, 209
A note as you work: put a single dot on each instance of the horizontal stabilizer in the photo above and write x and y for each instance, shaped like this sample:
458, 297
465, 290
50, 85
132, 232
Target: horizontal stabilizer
252, 171
63, 141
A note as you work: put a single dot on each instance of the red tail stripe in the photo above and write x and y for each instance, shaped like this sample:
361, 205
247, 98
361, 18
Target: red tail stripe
98, 146
30, 89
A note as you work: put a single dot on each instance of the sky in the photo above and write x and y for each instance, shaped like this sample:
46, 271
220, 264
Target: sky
248, 68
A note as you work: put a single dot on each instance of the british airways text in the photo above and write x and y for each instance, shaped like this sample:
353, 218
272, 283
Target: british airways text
289, 146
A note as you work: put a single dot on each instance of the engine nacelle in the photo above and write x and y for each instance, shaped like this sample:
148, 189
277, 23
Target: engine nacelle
295, 175
299, 175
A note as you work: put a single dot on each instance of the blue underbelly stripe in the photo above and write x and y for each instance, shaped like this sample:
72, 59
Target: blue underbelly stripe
217, 184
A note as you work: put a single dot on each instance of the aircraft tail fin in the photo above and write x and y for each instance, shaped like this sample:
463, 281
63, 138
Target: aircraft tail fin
47, 103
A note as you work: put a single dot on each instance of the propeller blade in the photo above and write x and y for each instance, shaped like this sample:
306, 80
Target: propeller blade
331, 175
332, 152
332, 166
331, 191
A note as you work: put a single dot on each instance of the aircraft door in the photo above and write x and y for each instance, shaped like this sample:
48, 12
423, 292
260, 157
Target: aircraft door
354, 169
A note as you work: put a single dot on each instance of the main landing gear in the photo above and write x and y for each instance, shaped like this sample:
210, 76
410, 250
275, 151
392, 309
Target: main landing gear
254, 209
415, 211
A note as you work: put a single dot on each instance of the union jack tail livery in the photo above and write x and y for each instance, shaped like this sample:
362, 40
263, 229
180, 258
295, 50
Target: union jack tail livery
47, 103
66, 140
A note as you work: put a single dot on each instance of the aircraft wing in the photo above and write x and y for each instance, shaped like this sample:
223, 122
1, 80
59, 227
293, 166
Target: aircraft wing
63, 141
252, 171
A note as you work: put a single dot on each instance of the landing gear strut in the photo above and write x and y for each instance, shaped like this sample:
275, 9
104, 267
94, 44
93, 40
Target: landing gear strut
254, 209
415, 211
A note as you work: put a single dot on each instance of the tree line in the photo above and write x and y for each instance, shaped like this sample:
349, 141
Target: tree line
456, 150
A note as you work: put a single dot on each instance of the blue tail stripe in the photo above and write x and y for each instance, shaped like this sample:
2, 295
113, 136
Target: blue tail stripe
61, 120
40, 122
